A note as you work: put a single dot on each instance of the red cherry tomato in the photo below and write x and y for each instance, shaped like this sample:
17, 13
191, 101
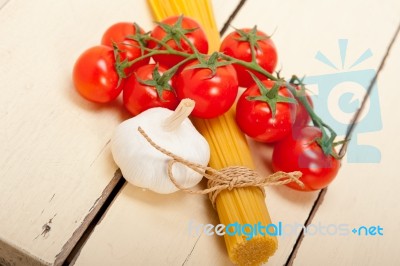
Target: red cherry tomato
255, 118
94, 75
139, 97
300, 152
130, 49
197, 38
266, 55
213, 94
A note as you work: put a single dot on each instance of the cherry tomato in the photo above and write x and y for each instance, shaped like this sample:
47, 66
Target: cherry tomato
235, 45
255, 117
139, 97
130, 49
94, 75
214, 94
197, 37
300, 152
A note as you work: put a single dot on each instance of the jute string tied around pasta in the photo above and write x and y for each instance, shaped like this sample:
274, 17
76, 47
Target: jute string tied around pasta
227, 178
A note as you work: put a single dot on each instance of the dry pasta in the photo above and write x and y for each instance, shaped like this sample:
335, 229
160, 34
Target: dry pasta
228, 148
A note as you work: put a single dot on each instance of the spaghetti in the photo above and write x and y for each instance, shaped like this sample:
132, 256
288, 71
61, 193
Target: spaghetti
228, 148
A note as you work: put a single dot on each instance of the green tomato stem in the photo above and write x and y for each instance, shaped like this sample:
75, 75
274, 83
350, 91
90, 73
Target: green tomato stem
170, 72
326, 141
250, 65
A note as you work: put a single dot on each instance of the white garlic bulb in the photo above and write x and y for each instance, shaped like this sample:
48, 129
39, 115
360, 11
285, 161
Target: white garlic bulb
146, 167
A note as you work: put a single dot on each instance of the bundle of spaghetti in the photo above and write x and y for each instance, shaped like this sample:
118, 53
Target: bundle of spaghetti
244, 206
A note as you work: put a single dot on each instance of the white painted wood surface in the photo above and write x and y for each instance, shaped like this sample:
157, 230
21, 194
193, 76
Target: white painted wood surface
366, 195
55, 160
140, 223
204, 250
301, 29
362, 193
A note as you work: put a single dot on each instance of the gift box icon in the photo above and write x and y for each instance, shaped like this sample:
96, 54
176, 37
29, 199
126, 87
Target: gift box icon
339, 95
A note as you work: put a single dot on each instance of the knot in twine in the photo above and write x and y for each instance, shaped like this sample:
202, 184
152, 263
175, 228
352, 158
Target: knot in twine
227, 178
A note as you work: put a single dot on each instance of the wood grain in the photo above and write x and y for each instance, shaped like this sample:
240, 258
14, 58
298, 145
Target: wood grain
55, 162
56, 168
366, 195
193, 251
300, 30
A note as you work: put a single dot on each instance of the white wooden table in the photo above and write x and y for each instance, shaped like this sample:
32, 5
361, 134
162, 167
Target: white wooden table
56, 169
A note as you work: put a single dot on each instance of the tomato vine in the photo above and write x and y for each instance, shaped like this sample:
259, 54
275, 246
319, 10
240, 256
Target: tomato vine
327, 141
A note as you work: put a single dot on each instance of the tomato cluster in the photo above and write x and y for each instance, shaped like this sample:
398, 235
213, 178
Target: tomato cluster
169, 63
268, 112
143, 84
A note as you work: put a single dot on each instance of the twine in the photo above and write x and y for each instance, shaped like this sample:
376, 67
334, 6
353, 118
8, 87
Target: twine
227, 178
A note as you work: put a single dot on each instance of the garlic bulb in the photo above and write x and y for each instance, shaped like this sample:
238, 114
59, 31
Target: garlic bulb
144, 166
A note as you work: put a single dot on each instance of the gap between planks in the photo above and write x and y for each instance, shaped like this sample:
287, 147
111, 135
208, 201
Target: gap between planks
308, 221
20, 257
322, 193
100, 206
232, 17
70, 252
75, 250
3, 4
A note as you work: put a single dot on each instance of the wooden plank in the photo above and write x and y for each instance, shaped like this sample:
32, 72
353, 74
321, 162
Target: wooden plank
301, 31
194, 252
366, 194
284, 205
55, 164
